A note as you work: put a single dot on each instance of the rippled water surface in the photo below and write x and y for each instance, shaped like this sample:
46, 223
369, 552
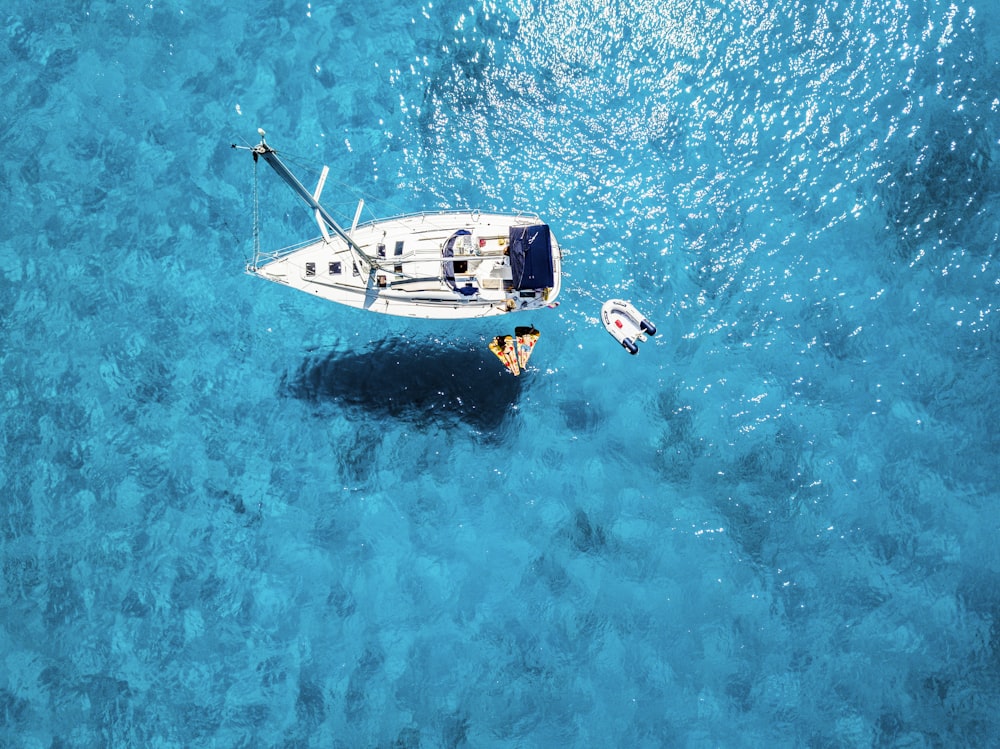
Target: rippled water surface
233, 515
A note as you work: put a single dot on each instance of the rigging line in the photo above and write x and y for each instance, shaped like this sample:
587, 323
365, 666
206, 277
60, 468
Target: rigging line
343, 198
388, 206
307, 166
256, 217
585, 292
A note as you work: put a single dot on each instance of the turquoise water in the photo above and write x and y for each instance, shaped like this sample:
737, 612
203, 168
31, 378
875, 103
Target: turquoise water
234, 516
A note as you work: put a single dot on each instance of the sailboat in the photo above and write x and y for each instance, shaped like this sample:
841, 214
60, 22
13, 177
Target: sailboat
445, 265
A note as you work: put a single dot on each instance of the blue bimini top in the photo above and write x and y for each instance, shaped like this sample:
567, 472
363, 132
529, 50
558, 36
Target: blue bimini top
531, 257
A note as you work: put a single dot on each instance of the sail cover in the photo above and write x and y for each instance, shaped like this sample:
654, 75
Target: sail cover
531, 257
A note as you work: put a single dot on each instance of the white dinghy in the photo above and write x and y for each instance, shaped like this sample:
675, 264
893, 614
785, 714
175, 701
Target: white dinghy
438, 265
628, 326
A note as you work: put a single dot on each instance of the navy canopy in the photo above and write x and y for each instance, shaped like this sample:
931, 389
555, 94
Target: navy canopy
531, 257
448, 266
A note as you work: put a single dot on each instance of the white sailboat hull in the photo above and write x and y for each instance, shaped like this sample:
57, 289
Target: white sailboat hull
443, 265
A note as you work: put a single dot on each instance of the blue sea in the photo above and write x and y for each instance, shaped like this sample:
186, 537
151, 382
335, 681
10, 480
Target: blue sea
232, 515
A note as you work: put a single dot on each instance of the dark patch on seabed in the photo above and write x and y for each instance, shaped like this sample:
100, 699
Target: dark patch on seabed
941, 184
945, 177
423, 382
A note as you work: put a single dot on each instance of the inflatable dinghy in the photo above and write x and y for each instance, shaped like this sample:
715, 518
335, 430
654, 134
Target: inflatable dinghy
626, 324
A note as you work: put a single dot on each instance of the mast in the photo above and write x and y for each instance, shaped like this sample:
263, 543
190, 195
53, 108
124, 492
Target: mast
269, 155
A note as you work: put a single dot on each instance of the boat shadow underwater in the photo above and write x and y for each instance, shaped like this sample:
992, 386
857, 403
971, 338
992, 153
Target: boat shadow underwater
423, 382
